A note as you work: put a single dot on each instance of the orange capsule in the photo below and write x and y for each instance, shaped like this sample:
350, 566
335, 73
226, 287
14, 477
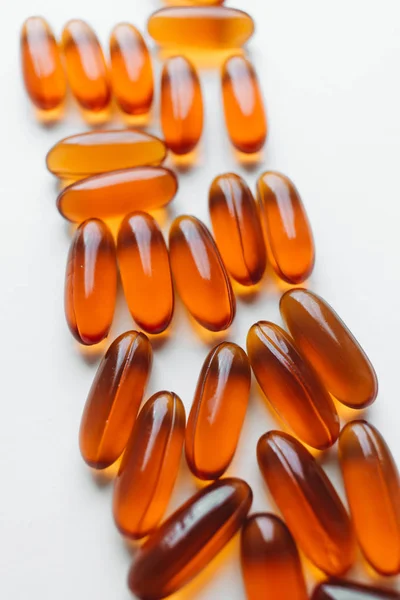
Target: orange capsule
237, 229
218, 411
201, 26
98, 152
42, 70
86, 66
91, 282
287, 229
338, 589
149, 466
200, 275
181, 105
373, 490
292, 386
243, 105
114, 399
131, 70
194, 2
271, 564
330, 347
117, 193
145, 272
308, 501
186, 542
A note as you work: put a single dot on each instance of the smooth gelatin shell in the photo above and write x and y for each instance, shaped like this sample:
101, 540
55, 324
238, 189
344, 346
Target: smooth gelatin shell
330, 347
286, 226
373, 491
150, 465
117, 193
98, 152
291, 385
189, 539
201, 27
145, 272
114, 399
237, 228
195, 2
308, 502
218, 411
345, 590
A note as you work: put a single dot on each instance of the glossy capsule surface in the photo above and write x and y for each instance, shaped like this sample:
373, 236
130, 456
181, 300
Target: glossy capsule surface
237, 228
91, 282
218, 411
150, 464
117, 193
145, 272
337, 589
270, 560
189, 539
42, 69
131, 70
201, 26
194, 2
98, 152
200, 275
86, 66
308, 502
181, 105
114, 399
372, 486
286, 227
330, 347
243, 105
291, 385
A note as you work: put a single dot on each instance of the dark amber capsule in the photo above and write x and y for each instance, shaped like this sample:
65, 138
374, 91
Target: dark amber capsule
201, 26
286, 227
336, 589
237, 229
145, 272
187, 541
200, 275
43, 73
98, 152
292, 386
271, 564
149, 466
181, 105
330, 347
114, 399
131, 70
86, 67
117, 193
218, 411
308, 501
373, 490
243, 105
91, 282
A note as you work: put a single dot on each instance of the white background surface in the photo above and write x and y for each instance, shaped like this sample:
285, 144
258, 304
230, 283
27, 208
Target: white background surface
330, 76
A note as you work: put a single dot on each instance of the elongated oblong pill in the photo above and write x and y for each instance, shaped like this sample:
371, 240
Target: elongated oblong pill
337, 589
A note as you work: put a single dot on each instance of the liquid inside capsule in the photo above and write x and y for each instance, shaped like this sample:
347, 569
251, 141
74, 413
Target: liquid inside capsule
337, 589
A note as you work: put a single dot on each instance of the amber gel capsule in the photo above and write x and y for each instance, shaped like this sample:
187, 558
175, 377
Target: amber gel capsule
86, 67
91, 282
181, 105
201, 26
270, 561
97, 152
330, 347
114, 399
336, 589
237, 229
308, 502
218, 411
131, 70
186, 542
292, 386
373, 490
42, 70
200, 275
145, 272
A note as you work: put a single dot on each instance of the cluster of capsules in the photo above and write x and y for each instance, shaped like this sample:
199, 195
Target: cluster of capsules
118, 174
